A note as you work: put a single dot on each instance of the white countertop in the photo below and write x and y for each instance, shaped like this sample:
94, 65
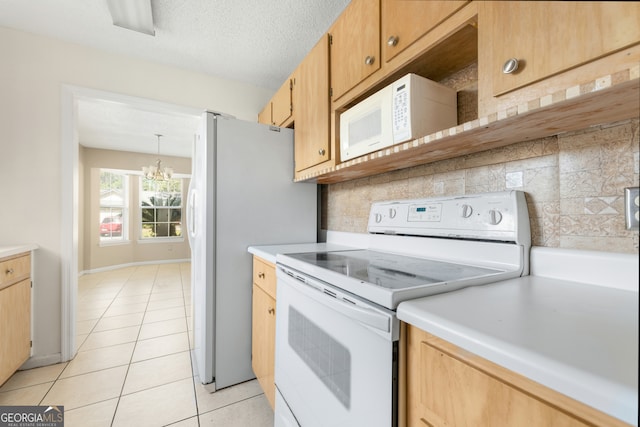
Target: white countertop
578, 339
7, 251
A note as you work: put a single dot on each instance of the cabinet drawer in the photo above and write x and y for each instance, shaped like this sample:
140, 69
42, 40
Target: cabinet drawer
264, 276
13, 270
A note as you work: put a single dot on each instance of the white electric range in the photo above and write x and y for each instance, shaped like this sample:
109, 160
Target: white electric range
336, 327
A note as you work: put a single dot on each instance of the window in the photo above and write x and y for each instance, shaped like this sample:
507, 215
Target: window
113, 206
161, 208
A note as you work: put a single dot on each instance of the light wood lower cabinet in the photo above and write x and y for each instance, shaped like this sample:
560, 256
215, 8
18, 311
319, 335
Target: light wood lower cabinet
15, 314
263, 339
448, 386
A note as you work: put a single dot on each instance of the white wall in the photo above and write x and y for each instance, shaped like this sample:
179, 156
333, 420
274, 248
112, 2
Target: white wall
33, 70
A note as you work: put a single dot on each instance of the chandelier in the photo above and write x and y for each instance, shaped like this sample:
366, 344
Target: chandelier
157, 172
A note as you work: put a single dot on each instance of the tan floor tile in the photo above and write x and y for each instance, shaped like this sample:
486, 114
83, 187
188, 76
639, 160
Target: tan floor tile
165, 295
254, 412
129, 299
84, 327
25, 396
159, 288
33, 376
96, 298
98, 359
135, 290
80, 339
89, 313
110, 337
164, 314
165, 327
86, 389
189, 422
116, 322
221, 398
119, 310
158, 406
155, 372
165, 303
160, 346
96, 415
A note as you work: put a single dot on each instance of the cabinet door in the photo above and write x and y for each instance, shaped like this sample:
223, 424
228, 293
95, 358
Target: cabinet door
405, 21
550, 37
449, 386
355, 45
311, 102
281, 104
264, 116
15, 327
263, 341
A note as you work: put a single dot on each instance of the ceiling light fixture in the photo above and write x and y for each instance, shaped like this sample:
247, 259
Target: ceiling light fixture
157, 172
133, 15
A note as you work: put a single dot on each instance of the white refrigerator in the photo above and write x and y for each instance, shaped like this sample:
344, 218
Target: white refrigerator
241, 194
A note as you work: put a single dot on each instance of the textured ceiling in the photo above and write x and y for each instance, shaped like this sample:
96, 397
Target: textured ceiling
259, 42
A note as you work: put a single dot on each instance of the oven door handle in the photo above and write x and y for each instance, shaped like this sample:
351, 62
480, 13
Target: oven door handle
363, 315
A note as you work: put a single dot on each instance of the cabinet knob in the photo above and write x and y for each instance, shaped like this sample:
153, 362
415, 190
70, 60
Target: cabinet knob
510, 66
392, 41
369, 60
321, 151
261, 275
271, 310
9, 271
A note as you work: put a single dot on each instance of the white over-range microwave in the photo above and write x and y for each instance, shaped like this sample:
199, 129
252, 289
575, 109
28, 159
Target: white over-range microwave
408, 108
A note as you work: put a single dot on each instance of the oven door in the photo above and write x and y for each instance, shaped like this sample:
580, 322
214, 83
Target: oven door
336, 356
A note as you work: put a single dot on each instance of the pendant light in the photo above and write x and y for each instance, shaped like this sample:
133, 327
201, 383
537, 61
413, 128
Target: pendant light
157, 172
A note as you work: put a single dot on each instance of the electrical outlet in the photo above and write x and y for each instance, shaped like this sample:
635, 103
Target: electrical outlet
632, 207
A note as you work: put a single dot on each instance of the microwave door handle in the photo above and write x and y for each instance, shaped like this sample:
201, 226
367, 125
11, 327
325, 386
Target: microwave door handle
363, 315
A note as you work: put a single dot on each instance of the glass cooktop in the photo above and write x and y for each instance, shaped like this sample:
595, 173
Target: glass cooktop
392, 271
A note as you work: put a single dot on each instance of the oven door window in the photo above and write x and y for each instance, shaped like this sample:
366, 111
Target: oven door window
329, 360
333, 367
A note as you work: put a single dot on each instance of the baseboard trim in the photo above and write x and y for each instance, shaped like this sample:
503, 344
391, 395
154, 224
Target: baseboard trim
132, 264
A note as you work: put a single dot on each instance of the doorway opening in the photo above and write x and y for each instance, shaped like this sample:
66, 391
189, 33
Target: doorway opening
72, 215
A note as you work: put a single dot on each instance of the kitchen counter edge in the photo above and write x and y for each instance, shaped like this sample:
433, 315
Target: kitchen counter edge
7, 251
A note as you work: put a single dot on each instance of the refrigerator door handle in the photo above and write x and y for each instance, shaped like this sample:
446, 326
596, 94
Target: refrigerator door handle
191, 213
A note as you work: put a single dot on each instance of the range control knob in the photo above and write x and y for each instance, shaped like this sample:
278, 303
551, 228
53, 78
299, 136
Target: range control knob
378, 217
392, 213
467, 210
495, 217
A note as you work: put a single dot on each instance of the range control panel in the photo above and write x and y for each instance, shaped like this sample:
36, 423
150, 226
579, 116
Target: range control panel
501, 216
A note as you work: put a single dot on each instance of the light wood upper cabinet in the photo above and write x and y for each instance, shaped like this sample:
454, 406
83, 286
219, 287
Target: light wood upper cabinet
355, 45
279, 109
311, 103
264, 116
15, 314
405, 21
548, 37
282, 104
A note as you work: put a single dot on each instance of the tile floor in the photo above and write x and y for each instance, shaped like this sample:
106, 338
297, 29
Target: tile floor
133, 366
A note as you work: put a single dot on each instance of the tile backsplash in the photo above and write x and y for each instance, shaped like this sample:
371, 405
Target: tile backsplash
574, 184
